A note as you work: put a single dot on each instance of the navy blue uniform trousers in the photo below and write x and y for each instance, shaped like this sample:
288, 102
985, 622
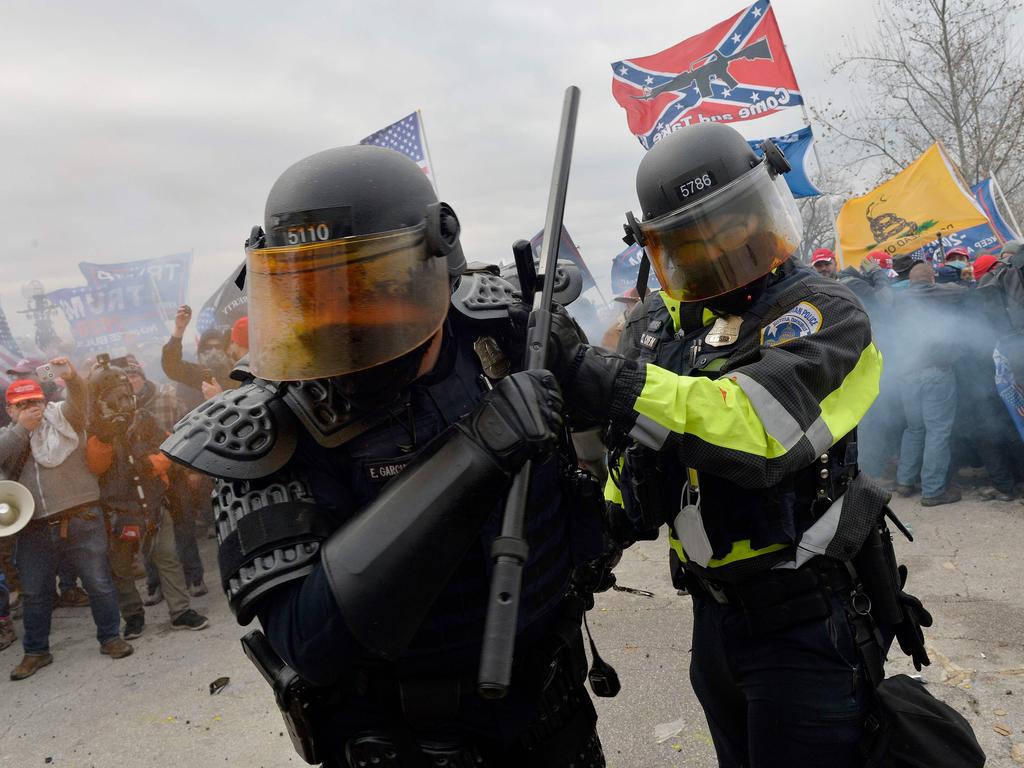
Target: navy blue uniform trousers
792, 698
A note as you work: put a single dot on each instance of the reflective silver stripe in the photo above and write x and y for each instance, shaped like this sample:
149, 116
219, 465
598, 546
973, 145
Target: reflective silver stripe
649, 433
820, 436
777, 421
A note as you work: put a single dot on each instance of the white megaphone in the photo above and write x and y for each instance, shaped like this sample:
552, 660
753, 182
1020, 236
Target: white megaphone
16, 507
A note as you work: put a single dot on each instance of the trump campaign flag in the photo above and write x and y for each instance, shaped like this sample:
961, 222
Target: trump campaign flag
170, 276
982, 238
922, 202
101, 316
405, 136
795, 147
227, 304
737, 70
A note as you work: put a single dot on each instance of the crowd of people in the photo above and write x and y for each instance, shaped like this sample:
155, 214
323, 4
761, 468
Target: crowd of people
109, 508
939, 425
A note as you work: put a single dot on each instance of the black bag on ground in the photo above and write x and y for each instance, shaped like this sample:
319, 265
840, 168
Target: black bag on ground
910, 728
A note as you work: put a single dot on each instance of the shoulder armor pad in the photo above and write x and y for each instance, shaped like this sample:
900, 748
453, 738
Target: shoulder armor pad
325, 413
268, 534
568, 281
240, 434
483, 296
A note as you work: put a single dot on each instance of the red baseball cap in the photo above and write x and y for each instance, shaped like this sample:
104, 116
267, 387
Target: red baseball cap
822, 254
240, 332
983, 264
881, 258
958, 251
24, 389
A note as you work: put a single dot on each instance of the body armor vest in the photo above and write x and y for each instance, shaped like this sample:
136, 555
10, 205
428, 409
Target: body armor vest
729, 512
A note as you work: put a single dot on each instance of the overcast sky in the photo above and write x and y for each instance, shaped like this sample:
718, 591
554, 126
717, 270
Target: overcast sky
131, 130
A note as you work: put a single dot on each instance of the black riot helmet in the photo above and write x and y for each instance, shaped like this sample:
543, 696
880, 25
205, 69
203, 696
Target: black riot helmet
716, 217
351, 271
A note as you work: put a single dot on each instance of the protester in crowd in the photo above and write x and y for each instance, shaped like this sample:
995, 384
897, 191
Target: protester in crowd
178, 495
824, 262
955, 262
124, 452
928, 345
213, 361
626, 302
881, 429
44, 449
238, 347
983, 264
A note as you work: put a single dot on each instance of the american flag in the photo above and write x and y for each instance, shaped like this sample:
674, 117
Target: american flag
405, 136
10, 353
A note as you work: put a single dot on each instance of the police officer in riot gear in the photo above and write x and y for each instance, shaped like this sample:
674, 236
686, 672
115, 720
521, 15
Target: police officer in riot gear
735, 414
360, 477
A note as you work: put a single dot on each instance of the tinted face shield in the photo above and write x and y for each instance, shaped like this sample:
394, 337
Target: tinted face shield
338, 307
725, 240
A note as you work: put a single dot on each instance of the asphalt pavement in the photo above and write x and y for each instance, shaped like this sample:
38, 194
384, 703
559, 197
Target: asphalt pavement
154, 708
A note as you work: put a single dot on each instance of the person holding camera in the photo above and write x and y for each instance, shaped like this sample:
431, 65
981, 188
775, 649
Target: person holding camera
123, 452
44, 450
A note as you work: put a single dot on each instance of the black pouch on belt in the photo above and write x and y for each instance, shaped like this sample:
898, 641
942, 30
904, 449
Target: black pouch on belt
784, 599
875, 564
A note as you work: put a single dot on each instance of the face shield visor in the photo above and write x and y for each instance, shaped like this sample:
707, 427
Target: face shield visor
725, 240
318, 310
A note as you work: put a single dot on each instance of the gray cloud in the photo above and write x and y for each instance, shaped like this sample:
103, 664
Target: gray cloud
133, 130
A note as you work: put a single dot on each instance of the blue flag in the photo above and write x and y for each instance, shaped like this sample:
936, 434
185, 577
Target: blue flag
795, 146
626, 268
169, 273
982, 192
101, 317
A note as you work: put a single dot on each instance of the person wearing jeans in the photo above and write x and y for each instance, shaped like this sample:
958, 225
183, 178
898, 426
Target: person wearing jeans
7, 634
82, 538
927, 344
44, 450
929, 402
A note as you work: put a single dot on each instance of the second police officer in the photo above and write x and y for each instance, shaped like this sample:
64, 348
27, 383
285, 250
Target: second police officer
360, 478
736, 413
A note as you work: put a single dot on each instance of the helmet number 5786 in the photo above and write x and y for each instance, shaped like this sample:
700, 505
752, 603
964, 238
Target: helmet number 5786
696, 184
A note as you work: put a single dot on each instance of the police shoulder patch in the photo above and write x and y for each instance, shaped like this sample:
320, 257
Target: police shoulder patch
802, 320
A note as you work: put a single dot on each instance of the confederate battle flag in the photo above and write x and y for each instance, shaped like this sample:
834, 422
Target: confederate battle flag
737, 70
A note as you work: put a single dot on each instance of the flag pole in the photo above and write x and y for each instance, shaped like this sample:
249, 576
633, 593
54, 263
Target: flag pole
828, 197
1006, 205
426, 148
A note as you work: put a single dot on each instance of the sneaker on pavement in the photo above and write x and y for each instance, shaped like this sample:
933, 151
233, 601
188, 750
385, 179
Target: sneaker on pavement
76, 597
30, 664
190, 620
7, 633
198, 589
948, 496
133, 627
117, 648
153, 596
906, 491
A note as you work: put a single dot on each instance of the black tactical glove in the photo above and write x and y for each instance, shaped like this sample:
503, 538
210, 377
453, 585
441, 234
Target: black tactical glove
519, 419
599, 386
909, 632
